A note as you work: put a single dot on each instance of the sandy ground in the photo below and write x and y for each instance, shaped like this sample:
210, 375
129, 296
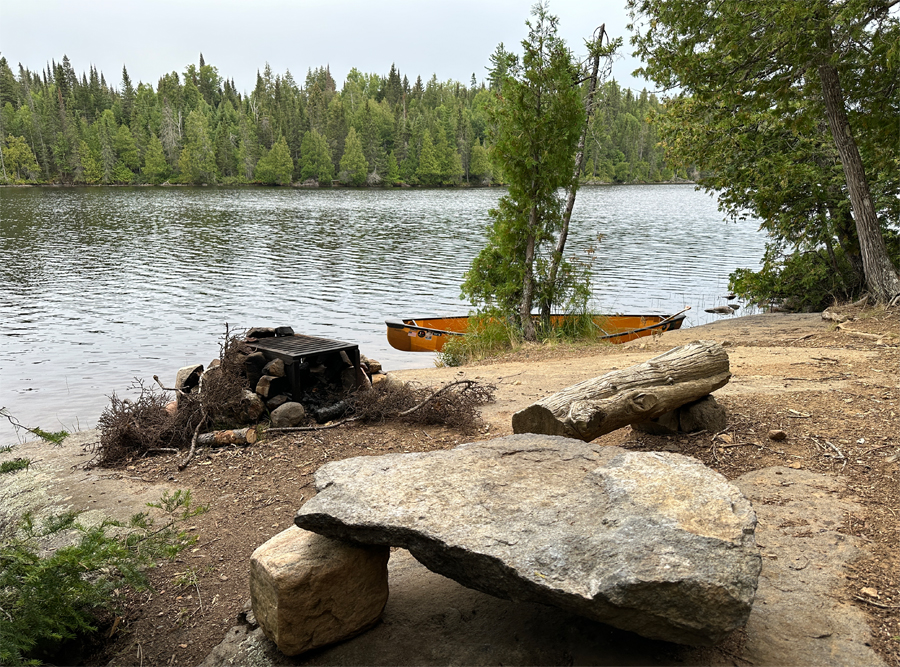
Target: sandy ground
835, 392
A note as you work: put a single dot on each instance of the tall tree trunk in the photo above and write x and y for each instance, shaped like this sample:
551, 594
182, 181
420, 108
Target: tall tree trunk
547, 301
881, 275
528, 331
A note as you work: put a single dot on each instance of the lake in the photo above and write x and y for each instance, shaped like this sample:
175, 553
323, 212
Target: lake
102, 285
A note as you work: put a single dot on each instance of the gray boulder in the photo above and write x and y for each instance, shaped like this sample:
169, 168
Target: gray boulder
650, 542
288, 415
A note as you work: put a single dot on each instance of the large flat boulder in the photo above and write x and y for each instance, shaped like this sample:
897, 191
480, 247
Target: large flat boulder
655, 543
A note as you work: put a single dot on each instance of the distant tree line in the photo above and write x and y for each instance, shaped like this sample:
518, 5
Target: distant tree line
195, 128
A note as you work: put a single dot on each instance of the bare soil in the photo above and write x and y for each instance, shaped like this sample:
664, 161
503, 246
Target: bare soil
834, 393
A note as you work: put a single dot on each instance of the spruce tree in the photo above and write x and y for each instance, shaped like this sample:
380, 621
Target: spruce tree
354, 168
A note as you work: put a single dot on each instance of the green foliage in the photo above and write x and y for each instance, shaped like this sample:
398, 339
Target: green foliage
197, 162
15, 465
316, 159
537, 119
276, 166
196, 128
48, 599
488, 334
55, 438
354, 167
766, 89
156, 170
19, 162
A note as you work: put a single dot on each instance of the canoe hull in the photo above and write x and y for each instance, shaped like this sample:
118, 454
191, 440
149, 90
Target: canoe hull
429, 334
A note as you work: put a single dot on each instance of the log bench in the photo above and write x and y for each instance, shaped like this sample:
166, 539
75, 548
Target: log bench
633, 395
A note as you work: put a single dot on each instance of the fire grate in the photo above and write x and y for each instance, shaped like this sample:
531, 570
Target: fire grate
296, 349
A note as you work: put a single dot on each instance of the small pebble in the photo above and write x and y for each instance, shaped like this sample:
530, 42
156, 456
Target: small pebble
777, 434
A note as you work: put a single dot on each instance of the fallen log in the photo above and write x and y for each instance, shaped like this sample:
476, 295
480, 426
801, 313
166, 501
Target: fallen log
603, 404
242, 436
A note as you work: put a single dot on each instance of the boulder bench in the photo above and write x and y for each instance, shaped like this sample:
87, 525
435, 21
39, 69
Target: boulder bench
651, 542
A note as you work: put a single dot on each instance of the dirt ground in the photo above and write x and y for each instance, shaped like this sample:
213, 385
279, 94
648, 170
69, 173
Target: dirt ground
834, 392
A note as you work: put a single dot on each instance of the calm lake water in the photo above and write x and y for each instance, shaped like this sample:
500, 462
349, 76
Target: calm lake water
102, 285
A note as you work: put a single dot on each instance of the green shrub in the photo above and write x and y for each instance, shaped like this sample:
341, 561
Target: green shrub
488, 334
48, 599
14, 465
807, 281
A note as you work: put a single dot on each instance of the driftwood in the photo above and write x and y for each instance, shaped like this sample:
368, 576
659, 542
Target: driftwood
603, 404
243, 436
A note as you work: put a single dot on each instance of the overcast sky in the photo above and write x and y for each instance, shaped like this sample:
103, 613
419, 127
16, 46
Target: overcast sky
452, 39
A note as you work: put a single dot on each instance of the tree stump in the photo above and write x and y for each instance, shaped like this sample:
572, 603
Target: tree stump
640, 393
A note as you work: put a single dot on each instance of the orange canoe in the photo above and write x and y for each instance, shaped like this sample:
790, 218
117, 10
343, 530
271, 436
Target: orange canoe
428, 334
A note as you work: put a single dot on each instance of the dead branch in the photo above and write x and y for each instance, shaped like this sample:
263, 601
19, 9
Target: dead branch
468, 383
281, 429
184, 464
178, 391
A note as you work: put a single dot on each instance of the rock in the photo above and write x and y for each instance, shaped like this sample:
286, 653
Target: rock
378, 379
269, 386
288, 415
274, 368
277, 402
777, 434
188, 378
373, 366
705, 414
309, 591
252, 406
284, 331
702, 415
654, 543
253, 365
215, 363
172, 407
721, 310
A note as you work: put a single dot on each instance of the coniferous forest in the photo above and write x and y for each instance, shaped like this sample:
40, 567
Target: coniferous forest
57, 126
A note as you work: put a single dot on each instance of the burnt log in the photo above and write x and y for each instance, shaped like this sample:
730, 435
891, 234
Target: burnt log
640, 393
242, 436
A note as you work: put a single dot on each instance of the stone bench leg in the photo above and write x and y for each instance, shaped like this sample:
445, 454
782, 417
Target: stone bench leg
308, 591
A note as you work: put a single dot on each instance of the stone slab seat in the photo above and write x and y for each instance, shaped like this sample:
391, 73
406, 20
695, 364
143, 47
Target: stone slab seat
651, 542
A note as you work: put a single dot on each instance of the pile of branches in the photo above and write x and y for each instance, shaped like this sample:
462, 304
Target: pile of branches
455, 404
131, 428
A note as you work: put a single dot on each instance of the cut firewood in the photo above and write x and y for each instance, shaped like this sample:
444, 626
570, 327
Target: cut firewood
242, 436
603, 404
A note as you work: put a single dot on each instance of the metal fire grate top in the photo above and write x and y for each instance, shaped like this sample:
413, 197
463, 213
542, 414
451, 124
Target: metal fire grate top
298, 346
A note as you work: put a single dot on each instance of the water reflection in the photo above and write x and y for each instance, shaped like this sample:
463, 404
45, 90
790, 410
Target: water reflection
100, 285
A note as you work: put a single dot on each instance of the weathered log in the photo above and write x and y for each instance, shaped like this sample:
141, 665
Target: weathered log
242, 436
603, 404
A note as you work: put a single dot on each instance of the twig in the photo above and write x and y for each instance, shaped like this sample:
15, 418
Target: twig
875, 449
440, 391
281, 429
835, 449
877, 604
184, 464
175, 389
163, 449
206, 544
